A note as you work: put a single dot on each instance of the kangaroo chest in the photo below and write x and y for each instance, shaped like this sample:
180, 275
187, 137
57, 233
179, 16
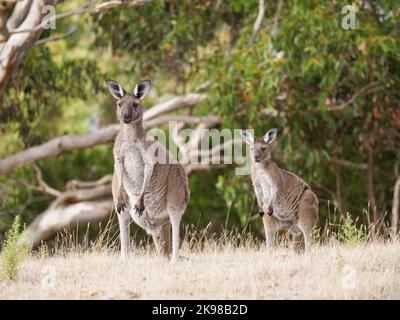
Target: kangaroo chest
277, 195
133, 168
268, 188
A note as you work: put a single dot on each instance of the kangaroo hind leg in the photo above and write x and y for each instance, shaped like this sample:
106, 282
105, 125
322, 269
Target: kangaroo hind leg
124, 222
175, 221
308, 215
162, 240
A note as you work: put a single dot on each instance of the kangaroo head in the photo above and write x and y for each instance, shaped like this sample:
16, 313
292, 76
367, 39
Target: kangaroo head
260, 148
129, 107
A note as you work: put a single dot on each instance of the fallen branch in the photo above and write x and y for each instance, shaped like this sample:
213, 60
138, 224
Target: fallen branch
44, 187
77, 184
57, 219
56, 146
79, 195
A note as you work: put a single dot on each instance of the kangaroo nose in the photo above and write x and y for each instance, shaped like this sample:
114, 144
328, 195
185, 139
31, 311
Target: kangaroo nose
127, 118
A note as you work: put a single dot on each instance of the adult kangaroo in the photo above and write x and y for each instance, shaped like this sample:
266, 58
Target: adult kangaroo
148, 184
286, 198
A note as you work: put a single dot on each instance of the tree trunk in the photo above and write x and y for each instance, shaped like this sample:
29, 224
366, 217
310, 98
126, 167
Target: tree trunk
371, 191
338, 197
396, 208
16, 45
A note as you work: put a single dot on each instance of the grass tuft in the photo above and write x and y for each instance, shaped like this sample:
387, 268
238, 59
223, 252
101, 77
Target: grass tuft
14, 252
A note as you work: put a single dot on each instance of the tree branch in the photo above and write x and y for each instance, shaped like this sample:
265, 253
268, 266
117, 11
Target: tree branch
77, 184
56, 219
369, 88
216, 150
90, 7
186, 101
44, 187
16, 46
71, 30
177, 118
275, 26
3, 25
18, 14
23, 28
74, 196
346, 163
56, 146
257, 23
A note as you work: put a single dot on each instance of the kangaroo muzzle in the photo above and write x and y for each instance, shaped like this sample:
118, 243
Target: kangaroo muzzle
127, 117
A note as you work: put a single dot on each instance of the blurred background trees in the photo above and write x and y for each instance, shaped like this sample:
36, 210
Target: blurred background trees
332, 93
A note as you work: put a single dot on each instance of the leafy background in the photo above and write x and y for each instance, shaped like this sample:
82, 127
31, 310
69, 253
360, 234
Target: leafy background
290, 81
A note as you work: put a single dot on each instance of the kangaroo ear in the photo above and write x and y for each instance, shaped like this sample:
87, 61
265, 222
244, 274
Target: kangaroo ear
270, 135
247, 136
142, 88
116, 89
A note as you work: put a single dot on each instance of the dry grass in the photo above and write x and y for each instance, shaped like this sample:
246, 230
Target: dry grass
215, 270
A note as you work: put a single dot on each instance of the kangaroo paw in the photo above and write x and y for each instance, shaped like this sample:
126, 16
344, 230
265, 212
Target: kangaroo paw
139, 208
270, 211
120, 207
261, 212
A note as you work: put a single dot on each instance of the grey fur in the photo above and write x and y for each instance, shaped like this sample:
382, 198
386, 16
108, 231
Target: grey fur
288, 197
148, 185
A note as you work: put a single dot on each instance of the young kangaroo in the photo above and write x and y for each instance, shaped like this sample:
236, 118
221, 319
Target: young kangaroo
286, 198
148, 185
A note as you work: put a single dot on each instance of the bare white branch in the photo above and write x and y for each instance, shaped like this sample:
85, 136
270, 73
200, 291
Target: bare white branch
257, 23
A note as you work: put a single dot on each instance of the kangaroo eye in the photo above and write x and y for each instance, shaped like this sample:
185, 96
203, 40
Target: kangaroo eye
263, 148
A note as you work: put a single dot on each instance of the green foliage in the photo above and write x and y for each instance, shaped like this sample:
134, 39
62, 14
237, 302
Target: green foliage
38, 87
291, 81
13, 253
294, 80
239, 198
346, 230
350, 233
205, 204
166, 31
